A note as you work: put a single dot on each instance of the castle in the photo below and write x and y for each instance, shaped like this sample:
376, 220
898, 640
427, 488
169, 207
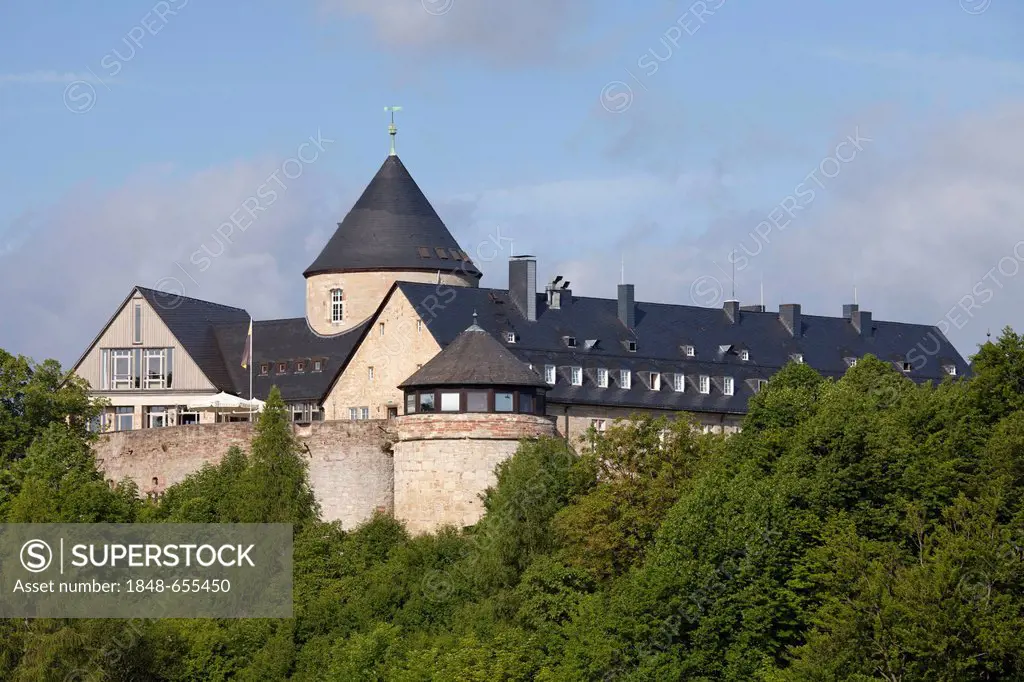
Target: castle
408, 382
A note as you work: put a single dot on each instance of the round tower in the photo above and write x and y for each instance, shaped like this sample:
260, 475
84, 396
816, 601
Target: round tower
465, 412
391, 234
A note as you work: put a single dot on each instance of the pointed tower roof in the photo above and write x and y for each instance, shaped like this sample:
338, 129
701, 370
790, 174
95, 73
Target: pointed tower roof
474, 358
392, 227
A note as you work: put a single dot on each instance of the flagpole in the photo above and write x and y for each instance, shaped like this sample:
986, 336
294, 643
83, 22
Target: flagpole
251, 339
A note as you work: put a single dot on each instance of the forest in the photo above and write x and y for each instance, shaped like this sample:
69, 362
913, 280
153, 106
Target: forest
861, 528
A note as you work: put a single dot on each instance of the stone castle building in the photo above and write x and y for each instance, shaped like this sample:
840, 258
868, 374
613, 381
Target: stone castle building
408, 382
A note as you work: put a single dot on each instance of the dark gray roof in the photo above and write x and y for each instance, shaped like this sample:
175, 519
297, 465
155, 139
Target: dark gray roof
474, 358
392, 226
192, 322
660, 330
287, 341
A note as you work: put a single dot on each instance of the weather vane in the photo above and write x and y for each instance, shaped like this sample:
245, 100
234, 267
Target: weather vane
392, 129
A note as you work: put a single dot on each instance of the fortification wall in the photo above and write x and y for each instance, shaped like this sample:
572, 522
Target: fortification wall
349, 470
443, 462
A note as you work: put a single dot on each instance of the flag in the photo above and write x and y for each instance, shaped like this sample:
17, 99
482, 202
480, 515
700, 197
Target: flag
247, 355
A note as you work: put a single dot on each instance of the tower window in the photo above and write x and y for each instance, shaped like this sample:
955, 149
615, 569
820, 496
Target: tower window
337, 306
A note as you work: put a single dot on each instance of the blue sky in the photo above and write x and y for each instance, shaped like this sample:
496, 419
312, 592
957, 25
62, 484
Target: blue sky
517, 120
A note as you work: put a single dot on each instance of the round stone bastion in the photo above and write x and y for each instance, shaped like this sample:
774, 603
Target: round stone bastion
445, 461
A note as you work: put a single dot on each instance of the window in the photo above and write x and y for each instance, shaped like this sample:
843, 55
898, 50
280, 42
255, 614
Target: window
744, 355
906, 367
705, 384
306, 412
576, 376
369, 373
950, 370
426, 402
381, 328
156, 417
186, 416
602, 377
525, 403
137, 332
798, 358
122, 369
156, 374
441, 253
364, 412
759, 384
264, 369
625, 378
423, 251
549, 374
510, 337
123, 418
282, 367
598, 425
655, 381
570, 341
419, 325
410, 403
689, 351
476, 401
631, 346
300, 366
449, 402
502, 402
337, 306
728, 385
851, 362
678, 383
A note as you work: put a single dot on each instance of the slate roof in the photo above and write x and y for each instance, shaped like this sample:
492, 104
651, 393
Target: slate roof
660, 330
192, 322
474, 358
392, 226
288, 341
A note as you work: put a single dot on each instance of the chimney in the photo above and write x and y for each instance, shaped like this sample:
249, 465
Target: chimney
862, 322
849, 309
627, 307
789, 315
559, 294
732, 311
522, 285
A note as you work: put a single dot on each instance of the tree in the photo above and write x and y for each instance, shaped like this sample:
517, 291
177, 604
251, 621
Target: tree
997, 384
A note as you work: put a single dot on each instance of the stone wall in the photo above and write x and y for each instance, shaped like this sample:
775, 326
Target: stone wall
444, 462
349, 470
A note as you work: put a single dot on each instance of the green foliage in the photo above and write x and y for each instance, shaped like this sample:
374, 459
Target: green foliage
864, 528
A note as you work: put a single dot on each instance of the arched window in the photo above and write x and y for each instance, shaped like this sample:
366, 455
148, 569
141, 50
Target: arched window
337, 305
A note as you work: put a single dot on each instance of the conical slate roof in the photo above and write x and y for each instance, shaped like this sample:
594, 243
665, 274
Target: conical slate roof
474, 358
392, 226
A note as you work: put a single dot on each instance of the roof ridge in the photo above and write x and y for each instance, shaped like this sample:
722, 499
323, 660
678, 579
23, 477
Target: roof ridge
189, 298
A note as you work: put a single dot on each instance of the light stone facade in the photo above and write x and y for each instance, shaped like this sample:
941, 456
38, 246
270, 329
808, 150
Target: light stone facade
444, 463
362, 294
394, 351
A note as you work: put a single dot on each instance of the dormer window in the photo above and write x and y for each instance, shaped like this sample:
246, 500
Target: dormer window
797, 358
511, 337
688, 351
602, 377
423, 251
704, 384
264, 369
950, 370
570, 341
576, 376
625, 378
728, 385
631, 346
590, 344
906, 366
851, 362
318, 365
745, 355
441, 253
455, 254
282, 367
759, 384
655, 381
300, 367
678, 382
549, 374
337, 306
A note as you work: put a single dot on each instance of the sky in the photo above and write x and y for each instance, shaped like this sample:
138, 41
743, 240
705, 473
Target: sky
790, 151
